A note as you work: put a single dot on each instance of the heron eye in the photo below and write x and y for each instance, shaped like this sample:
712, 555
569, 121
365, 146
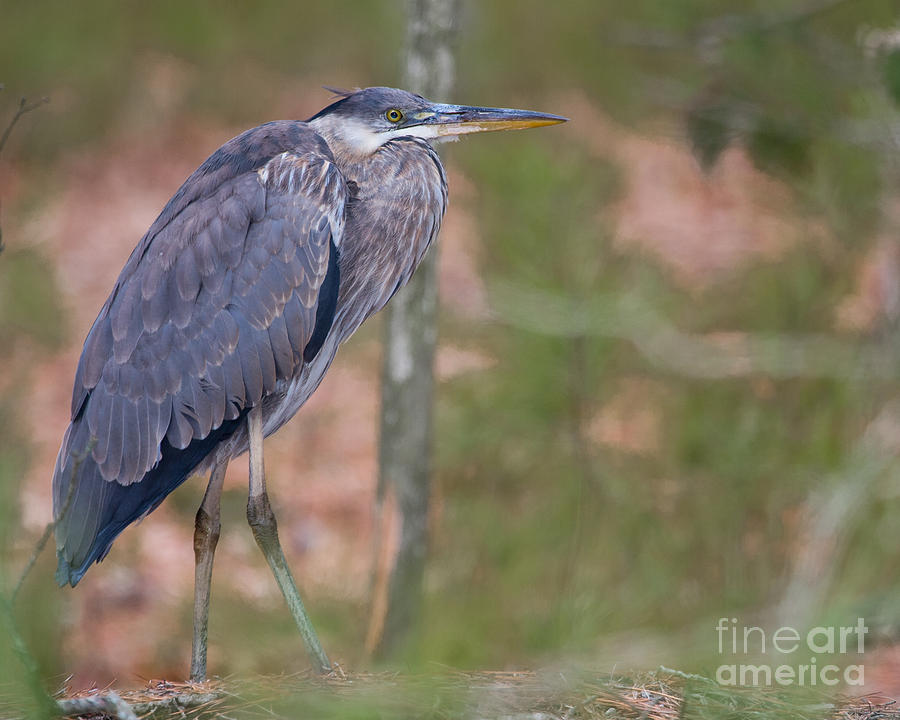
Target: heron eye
394, 115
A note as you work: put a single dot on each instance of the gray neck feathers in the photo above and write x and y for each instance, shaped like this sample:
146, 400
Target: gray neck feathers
399, 199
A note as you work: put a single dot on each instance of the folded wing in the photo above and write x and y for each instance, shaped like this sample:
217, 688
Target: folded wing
214, 308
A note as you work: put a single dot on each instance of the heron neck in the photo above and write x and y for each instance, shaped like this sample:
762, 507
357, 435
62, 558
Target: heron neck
399, 196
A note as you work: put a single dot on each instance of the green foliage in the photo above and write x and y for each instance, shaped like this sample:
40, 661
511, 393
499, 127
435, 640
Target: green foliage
32, 616
92, 59
27, 306
776, 147
603, 533
892, 74
709, 129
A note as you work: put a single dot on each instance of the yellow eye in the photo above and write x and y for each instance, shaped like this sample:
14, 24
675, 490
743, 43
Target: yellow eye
394, 115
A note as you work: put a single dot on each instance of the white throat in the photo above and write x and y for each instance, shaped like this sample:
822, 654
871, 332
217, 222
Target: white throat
360, 139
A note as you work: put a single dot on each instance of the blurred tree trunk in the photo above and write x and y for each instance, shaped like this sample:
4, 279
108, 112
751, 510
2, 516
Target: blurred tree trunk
408, 380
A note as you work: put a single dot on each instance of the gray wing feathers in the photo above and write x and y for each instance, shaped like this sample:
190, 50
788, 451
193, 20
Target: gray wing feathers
209, 314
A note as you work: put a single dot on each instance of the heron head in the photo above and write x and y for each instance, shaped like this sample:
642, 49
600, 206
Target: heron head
364, 120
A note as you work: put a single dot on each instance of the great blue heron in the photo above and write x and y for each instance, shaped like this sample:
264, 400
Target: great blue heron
231, 308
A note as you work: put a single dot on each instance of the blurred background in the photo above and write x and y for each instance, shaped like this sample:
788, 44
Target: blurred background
669, 342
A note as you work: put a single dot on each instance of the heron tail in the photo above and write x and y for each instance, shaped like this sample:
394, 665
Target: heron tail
90, 511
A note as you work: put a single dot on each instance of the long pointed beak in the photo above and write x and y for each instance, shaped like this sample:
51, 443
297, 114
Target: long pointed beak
464, 119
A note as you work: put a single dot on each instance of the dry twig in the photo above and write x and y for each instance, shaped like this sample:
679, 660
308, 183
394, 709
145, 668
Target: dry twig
24, 107
160, 699
107, 705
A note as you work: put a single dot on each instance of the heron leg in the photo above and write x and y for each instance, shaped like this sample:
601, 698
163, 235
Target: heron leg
206, 537
265, 531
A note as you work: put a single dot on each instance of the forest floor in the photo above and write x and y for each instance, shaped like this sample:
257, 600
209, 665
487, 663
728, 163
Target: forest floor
662, 695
